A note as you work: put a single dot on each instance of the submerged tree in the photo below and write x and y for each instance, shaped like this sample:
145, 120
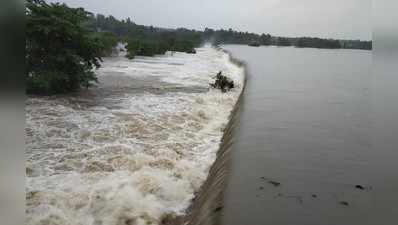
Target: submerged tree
222, 82
60, 52
107, 42
148, 47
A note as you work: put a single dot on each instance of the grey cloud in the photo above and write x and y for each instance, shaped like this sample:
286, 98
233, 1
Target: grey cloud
324, 18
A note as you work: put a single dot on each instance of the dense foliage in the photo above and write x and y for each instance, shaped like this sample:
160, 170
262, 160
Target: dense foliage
145, 48
156, 47
234, 37
358, 44
317, 43
60, 53
282, 41
64, 45
222, 82
107, 42
126, 28
147, 40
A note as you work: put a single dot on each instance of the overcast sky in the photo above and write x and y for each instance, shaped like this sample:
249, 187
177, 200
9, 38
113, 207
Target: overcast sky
347, 19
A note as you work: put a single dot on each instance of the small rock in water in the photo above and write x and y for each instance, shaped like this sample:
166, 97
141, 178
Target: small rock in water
314, 195
360, 187
261, 188
276, 184
344, 203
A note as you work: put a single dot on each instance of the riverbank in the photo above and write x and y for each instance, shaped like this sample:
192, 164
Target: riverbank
133, 150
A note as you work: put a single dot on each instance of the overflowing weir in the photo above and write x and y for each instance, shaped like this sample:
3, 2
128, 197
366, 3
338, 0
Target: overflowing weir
137, 148
208, 204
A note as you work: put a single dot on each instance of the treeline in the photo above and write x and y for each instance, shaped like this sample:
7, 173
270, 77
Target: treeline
146, 40
235, 37
64, 45
310, 42
356, 44
159, 36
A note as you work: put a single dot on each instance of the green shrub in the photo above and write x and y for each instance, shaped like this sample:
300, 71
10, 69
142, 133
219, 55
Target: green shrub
132, 48
222, 82
60, 53
107, 42
148, 48
183, 46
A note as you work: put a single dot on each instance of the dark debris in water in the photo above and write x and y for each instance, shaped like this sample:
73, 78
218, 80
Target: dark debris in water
345, 203
275, 183
360, 187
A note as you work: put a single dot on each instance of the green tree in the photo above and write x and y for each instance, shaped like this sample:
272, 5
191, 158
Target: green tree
107, 41
282, 41
265, 39
60, 53
183, 46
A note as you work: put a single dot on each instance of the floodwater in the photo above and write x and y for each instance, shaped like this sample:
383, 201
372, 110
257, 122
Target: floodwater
135, 149
303, 154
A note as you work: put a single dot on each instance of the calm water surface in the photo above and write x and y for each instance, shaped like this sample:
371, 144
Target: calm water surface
306, 124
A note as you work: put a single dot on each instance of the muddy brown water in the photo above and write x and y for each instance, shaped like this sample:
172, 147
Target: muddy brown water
303, 152
133, 150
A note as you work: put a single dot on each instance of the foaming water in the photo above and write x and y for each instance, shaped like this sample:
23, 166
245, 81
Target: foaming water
133, 150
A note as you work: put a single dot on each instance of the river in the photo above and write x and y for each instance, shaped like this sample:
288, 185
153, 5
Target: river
134, 149
303, 152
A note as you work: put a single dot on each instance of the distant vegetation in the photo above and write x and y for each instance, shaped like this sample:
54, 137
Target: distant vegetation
64, 45
316, 43
146, 40
156, 47
234, 37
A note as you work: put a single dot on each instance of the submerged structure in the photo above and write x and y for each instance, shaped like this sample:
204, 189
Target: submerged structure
134, 150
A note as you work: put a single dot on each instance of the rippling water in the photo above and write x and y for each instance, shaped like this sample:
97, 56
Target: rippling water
134, 149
